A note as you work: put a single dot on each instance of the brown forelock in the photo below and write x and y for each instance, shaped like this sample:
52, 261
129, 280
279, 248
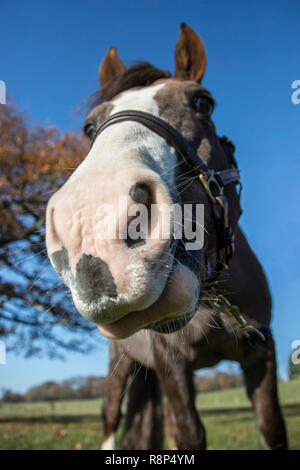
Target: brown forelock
140, 74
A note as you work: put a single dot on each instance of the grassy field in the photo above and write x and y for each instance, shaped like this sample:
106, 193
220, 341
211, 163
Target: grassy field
227, 417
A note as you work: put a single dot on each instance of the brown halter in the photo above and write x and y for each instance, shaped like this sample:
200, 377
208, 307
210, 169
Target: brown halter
213, 183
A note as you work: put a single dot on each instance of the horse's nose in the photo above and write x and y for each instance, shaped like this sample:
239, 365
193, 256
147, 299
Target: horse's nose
116, 221
93, 275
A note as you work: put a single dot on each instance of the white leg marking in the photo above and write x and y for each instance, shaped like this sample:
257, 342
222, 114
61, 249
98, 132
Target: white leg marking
263, 441
109, 443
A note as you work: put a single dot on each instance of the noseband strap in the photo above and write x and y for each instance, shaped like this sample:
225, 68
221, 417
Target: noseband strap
212, 181
175, 139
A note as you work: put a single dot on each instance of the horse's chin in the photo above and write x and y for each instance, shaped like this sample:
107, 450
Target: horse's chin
170, 312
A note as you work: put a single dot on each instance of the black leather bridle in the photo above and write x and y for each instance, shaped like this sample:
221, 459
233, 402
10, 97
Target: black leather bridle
212, 181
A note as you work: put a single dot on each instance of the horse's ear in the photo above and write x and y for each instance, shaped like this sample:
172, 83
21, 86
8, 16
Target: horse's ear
190, 55
110, 67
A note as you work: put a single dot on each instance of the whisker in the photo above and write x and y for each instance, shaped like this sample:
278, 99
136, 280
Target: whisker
29, 257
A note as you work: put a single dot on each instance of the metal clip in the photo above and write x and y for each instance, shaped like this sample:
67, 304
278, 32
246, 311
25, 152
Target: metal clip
208, 180
222, 305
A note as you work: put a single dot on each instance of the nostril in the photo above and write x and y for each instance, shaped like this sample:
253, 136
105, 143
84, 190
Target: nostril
141, 194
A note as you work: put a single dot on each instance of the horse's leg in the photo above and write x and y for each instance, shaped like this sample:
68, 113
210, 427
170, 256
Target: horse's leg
144, 417
119, 367
259, 366
176, 379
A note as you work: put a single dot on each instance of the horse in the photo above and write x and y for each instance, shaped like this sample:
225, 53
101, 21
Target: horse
170, 306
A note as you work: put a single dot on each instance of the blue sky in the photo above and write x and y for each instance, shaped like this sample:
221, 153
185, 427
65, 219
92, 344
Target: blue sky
49, 56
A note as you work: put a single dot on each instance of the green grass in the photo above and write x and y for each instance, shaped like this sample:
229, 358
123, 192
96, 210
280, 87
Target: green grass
76, 424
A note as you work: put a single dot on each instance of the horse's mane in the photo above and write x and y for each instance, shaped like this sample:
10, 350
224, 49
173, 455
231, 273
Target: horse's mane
138, 75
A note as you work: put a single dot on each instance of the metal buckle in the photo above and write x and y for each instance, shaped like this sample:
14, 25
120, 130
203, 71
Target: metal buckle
208, 180
222, 305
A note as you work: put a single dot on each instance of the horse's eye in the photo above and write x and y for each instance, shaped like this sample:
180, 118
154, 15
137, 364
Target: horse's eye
89, 129
204, 105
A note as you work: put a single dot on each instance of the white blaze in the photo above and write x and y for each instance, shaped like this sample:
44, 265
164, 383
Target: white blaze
132, 141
